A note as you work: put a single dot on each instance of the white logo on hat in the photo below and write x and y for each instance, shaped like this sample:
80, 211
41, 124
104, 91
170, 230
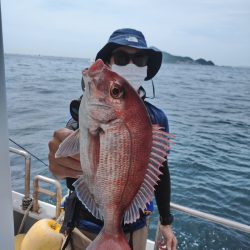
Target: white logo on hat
132, 39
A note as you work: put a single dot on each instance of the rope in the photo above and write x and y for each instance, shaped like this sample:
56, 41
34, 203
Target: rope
25, 217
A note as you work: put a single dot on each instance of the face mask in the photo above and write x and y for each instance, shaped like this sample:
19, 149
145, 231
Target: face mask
133, 74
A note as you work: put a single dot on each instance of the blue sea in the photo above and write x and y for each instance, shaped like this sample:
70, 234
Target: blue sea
208, 109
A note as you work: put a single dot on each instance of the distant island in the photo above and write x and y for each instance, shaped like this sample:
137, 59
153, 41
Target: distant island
168, 58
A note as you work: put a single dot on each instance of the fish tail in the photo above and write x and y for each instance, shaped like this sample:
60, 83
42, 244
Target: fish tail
108, 241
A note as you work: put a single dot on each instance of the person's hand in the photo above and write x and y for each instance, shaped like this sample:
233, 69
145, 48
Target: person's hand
169, 240
65, 166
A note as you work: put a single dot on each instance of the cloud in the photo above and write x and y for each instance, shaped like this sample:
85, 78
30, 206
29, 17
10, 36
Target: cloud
80, 28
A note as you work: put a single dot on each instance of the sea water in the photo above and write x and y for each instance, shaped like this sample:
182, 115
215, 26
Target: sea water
208, 109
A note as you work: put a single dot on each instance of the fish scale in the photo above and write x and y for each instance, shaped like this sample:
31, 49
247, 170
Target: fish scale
112, 168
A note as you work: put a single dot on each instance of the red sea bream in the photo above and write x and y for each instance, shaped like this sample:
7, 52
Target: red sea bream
120, 152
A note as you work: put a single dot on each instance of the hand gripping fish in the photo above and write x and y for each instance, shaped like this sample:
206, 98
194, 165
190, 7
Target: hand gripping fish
120, 152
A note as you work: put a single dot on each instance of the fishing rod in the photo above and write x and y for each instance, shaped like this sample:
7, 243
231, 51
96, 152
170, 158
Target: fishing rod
26, 150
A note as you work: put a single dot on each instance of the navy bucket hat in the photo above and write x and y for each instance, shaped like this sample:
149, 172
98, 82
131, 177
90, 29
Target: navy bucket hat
135, 39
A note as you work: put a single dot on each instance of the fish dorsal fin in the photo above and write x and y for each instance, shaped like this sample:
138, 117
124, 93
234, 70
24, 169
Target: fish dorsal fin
70, 146
160, 146
84, 195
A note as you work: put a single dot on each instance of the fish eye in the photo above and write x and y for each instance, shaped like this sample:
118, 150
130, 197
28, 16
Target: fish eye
116, 91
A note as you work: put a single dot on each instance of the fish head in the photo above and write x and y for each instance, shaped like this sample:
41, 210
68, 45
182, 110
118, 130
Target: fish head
108, 96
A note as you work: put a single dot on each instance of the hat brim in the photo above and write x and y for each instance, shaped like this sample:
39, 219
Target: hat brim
154, 61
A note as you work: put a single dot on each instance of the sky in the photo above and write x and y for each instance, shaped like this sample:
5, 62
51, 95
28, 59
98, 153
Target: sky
217, 30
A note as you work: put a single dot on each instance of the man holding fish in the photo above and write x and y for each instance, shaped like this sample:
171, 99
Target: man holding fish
113, 152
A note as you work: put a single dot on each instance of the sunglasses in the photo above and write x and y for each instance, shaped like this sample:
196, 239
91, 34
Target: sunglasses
122, 58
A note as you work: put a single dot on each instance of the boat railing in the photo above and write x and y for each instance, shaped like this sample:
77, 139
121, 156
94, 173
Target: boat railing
26, 200
213, 218
57, 195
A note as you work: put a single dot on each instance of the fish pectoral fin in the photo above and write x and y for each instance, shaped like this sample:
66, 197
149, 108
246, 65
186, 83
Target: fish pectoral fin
70, 146
84, 195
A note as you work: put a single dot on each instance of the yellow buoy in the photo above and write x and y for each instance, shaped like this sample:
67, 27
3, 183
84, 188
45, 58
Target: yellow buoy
18, 241
43, 235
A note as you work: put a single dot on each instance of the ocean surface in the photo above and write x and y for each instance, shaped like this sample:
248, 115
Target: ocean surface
208, 109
